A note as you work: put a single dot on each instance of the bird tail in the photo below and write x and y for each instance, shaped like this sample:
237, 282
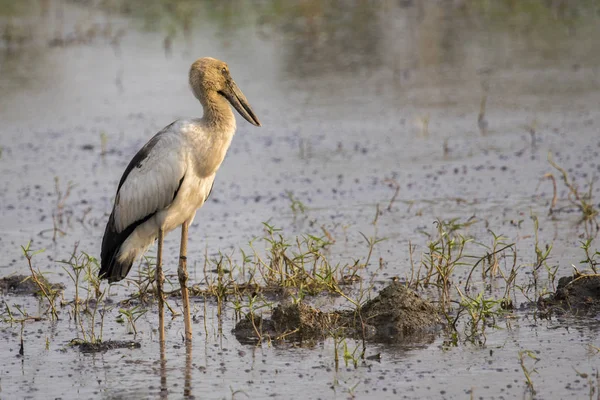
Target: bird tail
113, 267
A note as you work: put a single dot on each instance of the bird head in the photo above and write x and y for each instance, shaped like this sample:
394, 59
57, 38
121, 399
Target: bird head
209, 75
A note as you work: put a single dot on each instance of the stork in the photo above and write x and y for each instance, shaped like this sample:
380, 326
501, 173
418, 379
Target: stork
170, 178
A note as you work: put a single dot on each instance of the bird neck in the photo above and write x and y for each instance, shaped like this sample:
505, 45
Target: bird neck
217, 113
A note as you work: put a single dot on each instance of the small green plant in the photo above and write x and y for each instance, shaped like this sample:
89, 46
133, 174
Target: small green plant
541, 254
350, 356
249, 309
47, 291
83, 271
132, 315
523, 356
76, 264
144, 280
371, 242
482, 312
295, 205
593, 381
61, 200
583, 201
16, 314
591, 259
445, 253
294, 265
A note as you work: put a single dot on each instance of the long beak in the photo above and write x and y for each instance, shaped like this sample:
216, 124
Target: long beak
239, 102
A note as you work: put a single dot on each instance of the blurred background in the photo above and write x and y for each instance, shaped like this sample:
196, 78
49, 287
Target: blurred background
327, 49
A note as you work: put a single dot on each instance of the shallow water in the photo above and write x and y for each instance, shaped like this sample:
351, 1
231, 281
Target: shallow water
344, 95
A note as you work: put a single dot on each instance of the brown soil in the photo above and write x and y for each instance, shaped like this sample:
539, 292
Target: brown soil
574, 294
87, 347
397, 313
24, 285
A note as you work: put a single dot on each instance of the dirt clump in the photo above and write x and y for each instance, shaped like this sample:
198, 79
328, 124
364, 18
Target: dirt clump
397, 313
575, 294
97, 347
25, 285
295, 322
302, 321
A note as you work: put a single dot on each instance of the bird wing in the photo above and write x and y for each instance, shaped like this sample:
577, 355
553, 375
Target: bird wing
151, 180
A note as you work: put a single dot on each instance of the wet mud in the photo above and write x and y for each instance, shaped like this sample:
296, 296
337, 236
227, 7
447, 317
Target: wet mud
24, 285
396, 314
575, 295
100, 347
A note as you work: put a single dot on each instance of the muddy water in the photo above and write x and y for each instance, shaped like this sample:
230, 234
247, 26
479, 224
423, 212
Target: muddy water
352, 101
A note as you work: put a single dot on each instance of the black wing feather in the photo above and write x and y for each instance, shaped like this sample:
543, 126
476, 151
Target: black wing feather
110, 267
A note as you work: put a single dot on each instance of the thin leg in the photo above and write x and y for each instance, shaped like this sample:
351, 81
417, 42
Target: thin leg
160, 279
164, 394
183, 278
187, 384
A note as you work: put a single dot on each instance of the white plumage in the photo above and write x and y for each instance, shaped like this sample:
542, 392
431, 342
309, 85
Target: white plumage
173, 174
184, 160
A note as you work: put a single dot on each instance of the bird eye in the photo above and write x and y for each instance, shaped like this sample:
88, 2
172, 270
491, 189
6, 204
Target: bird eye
223, 70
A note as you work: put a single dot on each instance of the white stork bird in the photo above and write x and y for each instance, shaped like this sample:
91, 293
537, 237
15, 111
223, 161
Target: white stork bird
170, 178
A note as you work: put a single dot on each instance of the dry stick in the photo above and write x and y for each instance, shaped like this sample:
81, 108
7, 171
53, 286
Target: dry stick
173, 312
160, 279
526, 371
93, 323
396, 185
554, 196
376, 214
183, 278
458, 314
286, 334
76, 273
256, 330
102, 315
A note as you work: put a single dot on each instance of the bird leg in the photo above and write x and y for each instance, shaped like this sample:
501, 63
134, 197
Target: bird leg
163, 370
187, 385
183, 278
160, 278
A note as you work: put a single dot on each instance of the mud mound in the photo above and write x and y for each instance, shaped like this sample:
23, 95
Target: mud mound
24, 285
397, 313
302, 320
574, 294
296, 322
